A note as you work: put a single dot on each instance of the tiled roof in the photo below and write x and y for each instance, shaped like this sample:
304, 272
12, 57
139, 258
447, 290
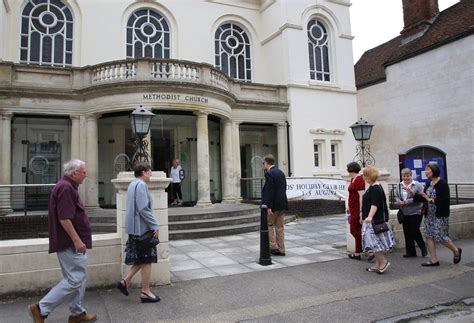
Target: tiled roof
453, 23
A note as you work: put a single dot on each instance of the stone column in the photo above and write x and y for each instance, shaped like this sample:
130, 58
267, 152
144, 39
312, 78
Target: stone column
282, 147
160, 272
75, 137
204, 190
227, 174
92, 161
237, 169
5, 161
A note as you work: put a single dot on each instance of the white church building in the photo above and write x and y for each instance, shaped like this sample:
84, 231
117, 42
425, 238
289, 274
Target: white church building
228, 81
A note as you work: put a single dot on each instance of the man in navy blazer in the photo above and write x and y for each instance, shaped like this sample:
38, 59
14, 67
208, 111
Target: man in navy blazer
274, 197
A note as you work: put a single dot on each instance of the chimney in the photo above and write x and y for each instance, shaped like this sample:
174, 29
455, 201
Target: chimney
418, 16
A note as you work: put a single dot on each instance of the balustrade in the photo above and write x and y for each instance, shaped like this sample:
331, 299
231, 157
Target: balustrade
114, 72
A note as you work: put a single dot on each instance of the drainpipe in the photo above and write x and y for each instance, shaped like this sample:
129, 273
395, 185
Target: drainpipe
288, 147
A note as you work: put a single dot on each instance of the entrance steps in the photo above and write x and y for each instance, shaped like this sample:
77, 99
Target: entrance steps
193, 222
221, 219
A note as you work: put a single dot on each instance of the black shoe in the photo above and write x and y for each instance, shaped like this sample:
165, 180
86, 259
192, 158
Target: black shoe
457, 258
430, 264
277, 253
424, 252
148, 298
122, 287
352, 256
409, 256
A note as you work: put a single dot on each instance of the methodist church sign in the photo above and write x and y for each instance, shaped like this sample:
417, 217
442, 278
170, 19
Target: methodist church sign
175, 97
310, 188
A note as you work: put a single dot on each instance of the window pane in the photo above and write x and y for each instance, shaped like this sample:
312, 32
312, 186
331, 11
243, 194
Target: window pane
318, 50
232, 44
149, 32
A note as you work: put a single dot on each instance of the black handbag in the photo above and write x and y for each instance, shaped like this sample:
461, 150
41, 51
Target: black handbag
383, 226
400, 216
148, 239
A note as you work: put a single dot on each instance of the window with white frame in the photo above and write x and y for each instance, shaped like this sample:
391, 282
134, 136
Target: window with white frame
46, 33
232, 51
317, 154
148, 35
335, 153
318, 48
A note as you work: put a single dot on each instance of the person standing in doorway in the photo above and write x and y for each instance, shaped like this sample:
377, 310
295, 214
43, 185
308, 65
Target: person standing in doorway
176, 175
69, 237
274, 197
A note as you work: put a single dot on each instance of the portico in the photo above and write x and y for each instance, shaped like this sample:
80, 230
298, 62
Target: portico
83, 113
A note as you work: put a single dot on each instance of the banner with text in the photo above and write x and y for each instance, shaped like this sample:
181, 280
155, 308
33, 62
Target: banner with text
310, 188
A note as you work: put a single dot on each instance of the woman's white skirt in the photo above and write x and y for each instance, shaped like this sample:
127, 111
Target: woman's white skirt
381, 242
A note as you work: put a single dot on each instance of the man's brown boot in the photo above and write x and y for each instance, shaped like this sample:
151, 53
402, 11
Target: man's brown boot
35, 313
84, 317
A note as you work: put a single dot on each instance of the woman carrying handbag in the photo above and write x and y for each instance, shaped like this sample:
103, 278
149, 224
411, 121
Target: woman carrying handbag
376, 231
142, 229
411, 212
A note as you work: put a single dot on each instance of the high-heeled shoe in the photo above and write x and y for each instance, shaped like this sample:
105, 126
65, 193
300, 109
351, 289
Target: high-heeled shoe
148, 298
122, 287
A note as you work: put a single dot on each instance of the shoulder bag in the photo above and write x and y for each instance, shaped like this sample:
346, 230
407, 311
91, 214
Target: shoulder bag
383, 226
400, 215
148, 239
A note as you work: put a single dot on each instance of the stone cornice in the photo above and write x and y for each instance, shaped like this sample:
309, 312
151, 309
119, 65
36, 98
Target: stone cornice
322, 131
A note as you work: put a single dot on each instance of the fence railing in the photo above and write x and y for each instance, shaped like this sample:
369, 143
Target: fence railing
251, 188
24, 198
460, 193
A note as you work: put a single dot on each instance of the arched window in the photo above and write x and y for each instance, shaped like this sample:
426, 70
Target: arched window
318, 48
148, 35
232, 48
46, 33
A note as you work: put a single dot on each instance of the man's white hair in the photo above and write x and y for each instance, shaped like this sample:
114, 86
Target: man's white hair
72, 165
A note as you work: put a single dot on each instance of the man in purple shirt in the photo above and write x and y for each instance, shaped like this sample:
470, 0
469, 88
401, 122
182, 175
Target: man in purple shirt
69, 237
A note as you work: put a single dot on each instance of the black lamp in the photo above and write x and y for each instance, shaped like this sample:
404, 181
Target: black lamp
362, 130
140, 120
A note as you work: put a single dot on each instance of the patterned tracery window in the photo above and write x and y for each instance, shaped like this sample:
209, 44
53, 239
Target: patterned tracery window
46, 33
148, 35
232, 50
318, 47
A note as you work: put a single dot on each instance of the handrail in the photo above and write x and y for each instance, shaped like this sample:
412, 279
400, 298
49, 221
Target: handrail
24, 197
25, 185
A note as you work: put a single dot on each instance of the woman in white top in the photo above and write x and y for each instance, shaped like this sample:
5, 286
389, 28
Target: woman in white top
175, 175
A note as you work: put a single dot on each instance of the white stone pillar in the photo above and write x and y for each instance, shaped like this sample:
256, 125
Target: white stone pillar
92, 161
5, 161
75, 137
282, 147
204, 190
227, 173
237, 169
160, 272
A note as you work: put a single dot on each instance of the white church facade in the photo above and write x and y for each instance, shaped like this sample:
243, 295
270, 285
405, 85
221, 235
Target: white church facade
228, 81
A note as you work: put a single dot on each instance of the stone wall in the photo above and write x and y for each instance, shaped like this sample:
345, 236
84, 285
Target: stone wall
27, 267
305, 208
461, 224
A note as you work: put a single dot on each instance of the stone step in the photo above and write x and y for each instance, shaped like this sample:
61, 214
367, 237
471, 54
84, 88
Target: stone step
210, 232
103, 228
102, 219
212, 223
211, 214
214, 232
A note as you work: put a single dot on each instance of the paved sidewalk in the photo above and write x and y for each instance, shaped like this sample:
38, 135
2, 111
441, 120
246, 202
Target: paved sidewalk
307, 240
